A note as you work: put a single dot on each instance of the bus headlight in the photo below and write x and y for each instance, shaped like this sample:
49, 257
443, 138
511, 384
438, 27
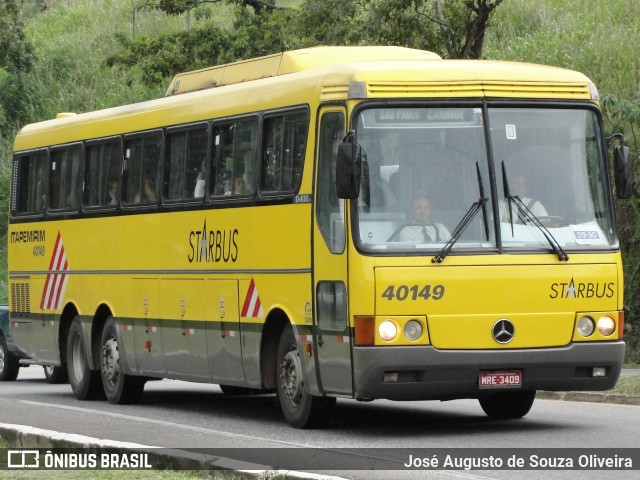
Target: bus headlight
413, 330
387, 330
586, 326
606, 325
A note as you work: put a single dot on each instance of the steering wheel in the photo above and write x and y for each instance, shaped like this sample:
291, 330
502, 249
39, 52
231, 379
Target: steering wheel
552, 221
398, 230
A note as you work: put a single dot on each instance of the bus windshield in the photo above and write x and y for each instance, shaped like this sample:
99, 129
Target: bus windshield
502, 177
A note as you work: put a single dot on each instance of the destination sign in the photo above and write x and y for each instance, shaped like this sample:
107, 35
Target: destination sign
421, 117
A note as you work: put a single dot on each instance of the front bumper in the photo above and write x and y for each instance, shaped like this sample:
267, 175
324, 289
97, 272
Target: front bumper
426, 373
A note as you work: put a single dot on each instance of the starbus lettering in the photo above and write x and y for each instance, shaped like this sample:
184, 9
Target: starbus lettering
213, 246
574, 289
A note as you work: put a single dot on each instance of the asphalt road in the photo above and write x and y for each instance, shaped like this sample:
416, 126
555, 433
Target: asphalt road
189, 416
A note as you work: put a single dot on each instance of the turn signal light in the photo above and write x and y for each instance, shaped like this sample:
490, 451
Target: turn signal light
365, 327
621, 324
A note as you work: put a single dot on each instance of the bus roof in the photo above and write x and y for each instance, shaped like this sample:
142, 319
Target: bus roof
288, 62
316, 75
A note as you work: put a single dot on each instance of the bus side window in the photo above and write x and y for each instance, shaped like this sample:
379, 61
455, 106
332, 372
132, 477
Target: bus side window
30, 188
142, 155
102, 173
64, 177
196, 163
283, 151
185, 164
233, 158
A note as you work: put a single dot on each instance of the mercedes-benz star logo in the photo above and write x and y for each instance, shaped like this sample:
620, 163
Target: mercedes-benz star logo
503, 331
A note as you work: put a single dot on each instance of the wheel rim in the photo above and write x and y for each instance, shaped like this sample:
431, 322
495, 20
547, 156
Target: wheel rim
291, 378
48, 370
77, 362
1, 358
110, 360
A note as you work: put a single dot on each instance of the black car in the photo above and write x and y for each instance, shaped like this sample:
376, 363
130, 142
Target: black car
10, 355
12, 358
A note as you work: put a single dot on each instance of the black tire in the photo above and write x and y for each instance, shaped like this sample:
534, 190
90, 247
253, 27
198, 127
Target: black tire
300, 409
508, 404
55, 375
119, 387
9, 366
85, 383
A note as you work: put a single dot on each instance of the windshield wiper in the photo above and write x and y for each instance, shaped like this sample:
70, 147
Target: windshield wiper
529, 217
466, 220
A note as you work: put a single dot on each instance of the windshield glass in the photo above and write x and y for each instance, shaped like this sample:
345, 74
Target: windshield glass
552, 162
425, 169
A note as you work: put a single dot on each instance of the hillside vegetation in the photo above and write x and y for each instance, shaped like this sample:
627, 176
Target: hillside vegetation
74, 38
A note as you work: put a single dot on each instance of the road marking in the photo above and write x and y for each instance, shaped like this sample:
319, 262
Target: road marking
254, 470
164, 423
444, 473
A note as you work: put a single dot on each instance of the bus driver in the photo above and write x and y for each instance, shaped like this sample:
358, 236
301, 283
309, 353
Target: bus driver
421, 230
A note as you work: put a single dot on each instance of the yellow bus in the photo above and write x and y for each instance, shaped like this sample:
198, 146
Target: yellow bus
332, 222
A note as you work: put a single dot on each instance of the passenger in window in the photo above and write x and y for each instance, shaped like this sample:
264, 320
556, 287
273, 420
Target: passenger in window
198, 191
41, 197
394, 185
113, 194
248, 182
148, 193
70, 201
377, 192
238, 186
518, 186
422, 230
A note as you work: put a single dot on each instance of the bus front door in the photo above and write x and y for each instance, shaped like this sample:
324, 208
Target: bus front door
331, 326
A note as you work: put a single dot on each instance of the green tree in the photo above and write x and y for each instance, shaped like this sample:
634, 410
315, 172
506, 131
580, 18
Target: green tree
16, 59
257, 30
453, 28
260, 27
330, 22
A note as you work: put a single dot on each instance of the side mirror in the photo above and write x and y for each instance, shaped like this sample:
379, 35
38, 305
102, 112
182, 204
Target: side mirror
348, 169
622, 172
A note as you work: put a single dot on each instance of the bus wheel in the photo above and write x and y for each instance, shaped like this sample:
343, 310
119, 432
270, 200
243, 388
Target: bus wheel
55, 374
85, 383
507, 405
118, 387
9, 366
300, 409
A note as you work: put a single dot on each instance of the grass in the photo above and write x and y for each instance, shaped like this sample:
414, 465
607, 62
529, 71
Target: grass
627, 385
598, 38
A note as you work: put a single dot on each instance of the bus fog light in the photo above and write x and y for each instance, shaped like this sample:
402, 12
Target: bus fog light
387, 330
599, 372
586, 326
606, 325
390, 377
413, 330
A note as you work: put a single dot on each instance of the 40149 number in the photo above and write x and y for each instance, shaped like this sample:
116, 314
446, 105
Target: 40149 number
413, 292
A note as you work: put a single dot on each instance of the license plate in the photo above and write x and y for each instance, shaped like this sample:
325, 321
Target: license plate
512, 378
